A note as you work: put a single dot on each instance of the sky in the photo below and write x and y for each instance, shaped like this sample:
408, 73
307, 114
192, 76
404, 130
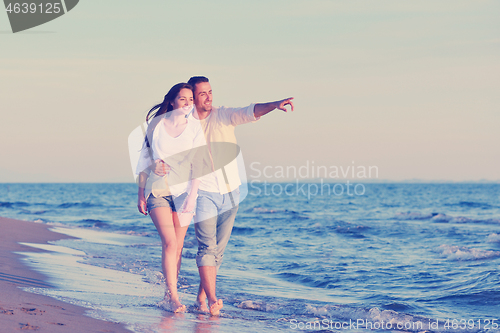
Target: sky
408, 87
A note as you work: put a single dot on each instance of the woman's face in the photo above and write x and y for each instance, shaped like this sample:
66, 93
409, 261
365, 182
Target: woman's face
184, 101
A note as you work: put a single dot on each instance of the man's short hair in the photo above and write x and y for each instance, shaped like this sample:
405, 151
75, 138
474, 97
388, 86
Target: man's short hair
197, 79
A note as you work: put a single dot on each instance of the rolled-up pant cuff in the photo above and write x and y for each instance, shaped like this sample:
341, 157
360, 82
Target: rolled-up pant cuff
205, 260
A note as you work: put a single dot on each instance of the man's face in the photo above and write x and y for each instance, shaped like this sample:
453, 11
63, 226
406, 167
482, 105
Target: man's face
203, 97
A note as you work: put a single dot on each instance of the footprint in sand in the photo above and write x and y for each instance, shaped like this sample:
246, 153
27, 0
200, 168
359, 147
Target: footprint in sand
27, 326
7, 312
32, 311
55, 306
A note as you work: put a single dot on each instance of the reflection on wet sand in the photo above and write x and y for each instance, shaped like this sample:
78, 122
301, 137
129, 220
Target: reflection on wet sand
176, 323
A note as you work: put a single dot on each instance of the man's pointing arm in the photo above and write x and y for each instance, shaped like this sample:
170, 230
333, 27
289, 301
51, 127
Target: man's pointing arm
264, 108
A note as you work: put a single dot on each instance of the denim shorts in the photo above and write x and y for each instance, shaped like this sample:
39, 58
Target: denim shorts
174, 203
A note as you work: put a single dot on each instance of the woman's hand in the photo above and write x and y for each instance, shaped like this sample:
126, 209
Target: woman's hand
160, 168
189, 203
141, 205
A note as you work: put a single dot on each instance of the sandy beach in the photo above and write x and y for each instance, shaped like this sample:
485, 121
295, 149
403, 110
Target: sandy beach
20, 310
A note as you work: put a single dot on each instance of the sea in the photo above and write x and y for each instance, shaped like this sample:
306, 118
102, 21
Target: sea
389, 257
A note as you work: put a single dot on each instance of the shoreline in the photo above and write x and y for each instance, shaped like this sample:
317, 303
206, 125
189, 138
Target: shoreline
21, 310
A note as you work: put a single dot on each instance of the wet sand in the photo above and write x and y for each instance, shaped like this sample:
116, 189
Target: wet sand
24, 311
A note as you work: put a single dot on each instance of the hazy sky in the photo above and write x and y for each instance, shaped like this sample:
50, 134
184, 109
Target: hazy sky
411, 87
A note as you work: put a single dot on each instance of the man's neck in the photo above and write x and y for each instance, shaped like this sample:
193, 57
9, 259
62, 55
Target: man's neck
200, 115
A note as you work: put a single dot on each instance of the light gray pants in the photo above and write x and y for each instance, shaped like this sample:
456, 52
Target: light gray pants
214, 220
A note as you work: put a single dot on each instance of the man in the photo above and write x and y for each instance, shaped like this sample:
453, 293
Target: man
218, 194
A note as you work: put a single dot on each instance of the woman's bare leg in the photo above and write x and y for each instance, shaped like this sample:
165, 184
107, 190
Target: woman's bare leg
184, 219
163, 221
180, 233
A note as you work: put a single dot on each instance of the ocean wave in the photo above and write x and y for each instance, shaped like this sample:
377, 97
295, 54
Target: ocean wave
489, 296
37, 212
262, 210
471, 204
453, 219
153, 277
46, 221
463, 219
8, 204
343, 228
93, 223
242, 231
256, 305
77, 205
350, 229
413, 216
142, 231
315, 281
462, 253
373, 315
442, 218
493, 238
189, 254
397, 306
277, 213
374, 318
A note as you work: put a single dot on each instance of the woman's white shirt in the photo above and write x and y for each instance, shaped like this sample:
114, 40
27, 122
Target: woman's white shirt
177, 152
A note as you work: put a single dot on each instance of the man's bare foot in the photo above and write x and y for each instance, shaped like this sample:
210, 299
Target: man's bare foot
201, 306
215, 308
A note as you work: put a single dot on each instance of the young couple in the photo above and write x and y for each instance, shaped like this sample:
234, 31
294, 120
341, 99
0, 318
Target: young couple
188, 169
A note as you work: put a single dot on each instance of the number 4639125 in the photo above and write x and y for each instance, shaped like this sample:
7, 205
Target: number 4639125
25, 8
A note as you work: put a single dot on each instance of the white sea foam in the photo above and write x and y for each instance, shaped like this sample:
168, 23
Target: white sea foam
361, 319
462, 253
94, 236
256, 305
412, 216
493, 238
55, 248
262, 210
462, 219
442, 218
370, 318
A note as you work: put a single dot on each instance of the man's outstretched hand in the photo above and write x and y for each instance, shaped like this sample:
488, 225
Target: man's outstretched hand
261, 109
284, 102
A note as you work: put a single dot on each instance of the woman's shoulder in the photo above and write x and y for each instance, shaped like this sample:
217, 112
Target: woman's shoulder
152, 126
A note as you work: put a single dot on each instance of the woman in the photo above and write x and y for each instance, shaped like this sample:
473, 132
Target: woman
170, 199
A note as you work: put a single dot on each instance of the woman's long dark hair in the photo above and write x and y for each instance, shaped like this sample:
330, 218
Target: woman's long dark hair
162, 108
166, 105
